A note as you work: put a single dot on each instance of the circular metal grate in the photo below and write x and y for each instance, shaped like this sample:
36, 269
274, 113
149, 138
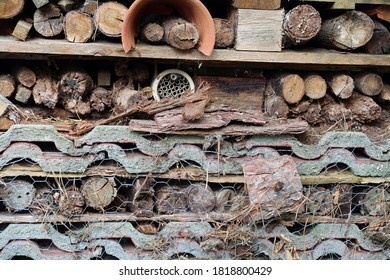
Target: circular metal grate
172, 83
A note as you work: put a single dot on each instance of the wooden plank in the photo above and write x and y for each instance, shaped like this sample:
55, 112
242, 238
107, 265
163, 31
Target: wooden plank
257, 4
376, 2
259, 30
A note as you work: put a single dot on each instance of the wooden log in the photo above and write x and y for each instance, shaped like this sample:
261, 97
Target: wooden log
313, 114
376, 202
200, 198
301, 24
257, 4
45, 90
78, 27
335, 112
342, 200
24, 76
319, 201
349, 31
384, 96
370, 84
40, 3
66, 5
89, 7
100, 99
152, 33
224, 33
170, 200
7, 85
289, 86
363, 108
22, 29
179, 33
276, 106
141, 197
341, 85
10, 8
109, 18
315, 86
380, 41
48, 20
98, 192
17, 195
126, 98
23, 94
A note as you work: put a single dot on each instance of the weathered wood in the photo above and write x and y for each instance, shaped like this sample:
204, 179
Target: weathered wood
301, 107
100, 99
224, 33
22, 29
147, 227
98, 192
342, 200
301, 24
319, 201
313, 114
40, 3
89, 7
368, 83
152, 33
257, 4
363, 108
384, 96
200, 198
127, 98
109, 18
180, 33
276, 106
25, 76
78, 27
376, 202
224, 199
349, 31
141, 197
335, 112
194, 111
289, 86
10, 8
341, 85
380, 41
7, 85
315, 86
170, 200
23, 94
48, 20
70, 202
43, 202
66, 5
17, 195
45, 90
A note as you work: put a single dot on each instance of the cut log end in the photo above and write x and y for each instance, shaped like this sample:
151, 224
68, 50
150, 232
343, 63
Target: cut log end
98, 192
10, 8
291, 87
341, 85
78, 27
152, 33
200, 199
224, 33
7, 85
180, 34
315, 86
370, 84
48, 20
109, 18
363, 108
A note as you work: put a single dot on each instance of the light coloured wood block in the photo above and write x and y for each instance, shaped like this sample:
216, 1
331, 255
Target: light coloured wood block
257, 4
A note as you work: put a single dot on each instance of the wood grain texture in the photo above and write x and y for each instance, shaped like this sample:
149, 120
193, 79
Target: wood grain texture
257, 4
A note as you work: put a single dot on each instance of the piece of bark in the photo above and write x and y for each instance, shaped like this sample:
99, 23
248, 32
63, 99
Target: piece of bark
10, 8
200, 198
147, 227
170, 200
376, 202
78, 27
100, 99
48, 20
109, 18
7, 85
289, 86
98, 192
17, 195
275, 106
224, 200
313, 114
319, 201
301, 24
224, 33
23, 94
45, 90
180, 33
370, 84
40, 3
90, 7
380, 41
141, 197
349, 31
66, 5
194, 111
315, 86
22, 29
341, 85
363, 108
70, 202
127, 98
25, 76
342, 200
384, 96
152, 33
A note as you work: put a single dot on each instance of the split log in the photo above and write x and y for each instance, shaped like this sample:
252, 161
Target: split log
342, 200
152, 33
289, 86
25, 76
180, 34
224, 33
370, 84
376, 202
17, 195
363, 108
301, 24
7, 85
48, 20
23, 94
10, 8
380, 41
319, 201
384, 96
170, 200
40, 3
78, 27
200, 198
70, 202
66, 5
141, 197
275, 106
98, 192
315, 86
100, 99
349, 31
341, 85
45, 90
89, 7
224, 200
22, 29
109, 18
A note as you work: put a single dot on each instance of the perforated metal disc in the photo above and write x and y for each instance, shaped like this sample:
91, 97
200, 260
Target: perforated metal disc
172, 83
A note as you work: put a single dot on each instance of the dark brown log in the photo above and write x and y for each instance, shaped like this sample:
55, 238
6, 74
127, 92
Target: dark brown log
370, 84
200, 198
141, 197
45, 90
289, 86
139, 72
170, 200
70, 202
319, 201
276, 107
10, 8
98, 192
341, 85
7, 85
224, 33
48, 20
301, 24
349, 31
25, 76
17, 195
335, 112
152, 33
78, 27
22, 29
363, 108
385, 93
180, 34
313, 114
315, 86
100, 99
23, 94
109, 18
376, 202
380, 41
342, 200
121, 68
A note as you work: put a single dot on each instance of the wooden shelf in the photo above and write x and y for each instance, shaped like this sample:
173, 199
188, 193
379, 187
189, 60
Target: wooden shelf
306, 59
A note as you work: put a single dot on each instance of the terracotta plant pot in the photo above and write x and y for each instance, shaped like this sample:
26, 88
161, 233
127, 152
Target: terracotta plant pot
191, 10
